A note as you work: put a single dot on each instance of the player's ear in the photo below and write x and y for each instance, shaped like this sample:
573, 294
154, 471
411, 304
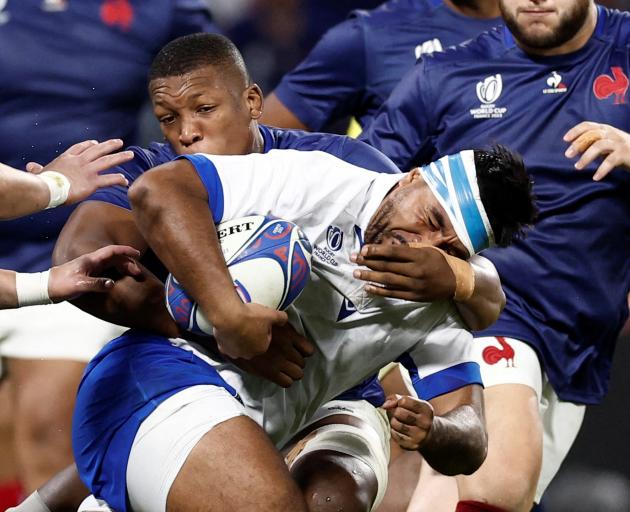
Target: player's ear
410, 177
254, 98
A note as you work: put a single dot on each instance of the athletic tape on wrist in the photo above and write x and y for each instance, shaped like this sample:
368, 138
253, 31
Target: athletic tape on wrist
58, 185
463, 271
32, 289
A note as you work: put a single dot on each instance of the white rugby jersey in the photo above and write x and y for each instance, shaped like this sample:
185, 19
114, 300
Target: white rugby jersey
355, 334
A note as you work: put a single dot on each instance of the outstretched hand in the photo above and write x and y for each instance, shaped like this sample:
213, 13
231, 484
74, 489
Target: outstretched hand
80, 275
410, 420
247, 333
595, 140
82, 165
284, 361
411, 273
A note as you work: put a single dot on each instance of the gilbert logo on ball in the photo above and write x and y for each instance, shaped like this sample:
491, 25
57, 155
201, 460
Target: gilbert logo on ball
269, 260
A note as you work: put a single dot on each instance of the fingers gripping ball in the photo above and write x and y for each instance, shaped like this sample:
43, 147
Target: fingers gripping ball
269, 260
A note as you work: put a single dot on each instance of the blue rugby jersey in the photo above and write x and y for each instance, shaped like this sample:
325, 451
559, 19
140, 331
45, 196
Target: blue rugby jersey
356, 65
567, 282
345, 148
74, 70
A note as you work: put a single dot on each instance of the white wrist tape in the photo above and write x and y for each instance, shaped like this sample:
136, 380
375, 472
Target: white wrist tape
32, 289
58, 185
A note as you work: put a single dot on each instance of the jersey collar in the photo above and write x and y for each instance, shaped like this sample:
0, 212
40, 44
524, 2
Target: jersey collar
267, 138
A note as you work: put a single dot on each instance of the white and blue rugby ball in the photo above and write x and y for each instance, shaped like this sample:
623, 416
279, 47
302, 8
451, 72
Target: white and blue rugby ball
269, 260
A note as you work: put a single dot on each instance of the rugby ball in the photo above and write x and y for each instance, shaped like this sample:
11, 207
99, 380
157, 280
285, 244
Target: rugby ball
269, 260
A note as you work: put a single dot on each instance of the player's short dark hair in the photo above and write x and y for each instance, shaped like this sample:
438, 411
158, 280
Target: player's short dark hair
191, 52
505, 188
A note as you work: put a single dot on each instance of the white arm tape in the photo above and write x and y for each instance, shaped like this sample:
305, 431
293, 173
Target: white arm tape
32, 289
58, 185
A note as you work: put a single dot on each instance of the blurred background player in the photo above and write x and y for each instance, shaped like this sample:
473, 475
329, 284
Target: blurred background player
559, 63
354, 67
71, 71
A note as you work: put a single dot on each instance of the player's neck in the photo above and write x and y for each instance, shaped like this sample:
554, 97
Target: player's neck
574, 44
258, 142
475, 8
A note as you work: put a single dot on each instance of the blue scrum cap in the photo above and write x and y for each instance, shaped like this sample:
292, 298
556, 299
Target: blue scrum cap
453, 180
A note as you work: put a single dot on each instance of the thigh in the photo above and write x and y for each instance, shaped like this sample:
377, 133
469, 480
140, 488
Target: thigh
508, 477
198, 451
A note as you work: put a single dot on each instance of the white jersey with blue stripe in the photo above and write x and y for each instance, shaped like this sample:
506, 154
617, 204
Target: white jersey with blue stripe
355, 334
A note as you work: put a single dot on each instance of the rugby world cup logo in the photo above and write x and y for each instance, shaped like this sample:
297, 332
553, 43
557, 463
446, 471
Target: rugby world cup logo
334, 238
489, 90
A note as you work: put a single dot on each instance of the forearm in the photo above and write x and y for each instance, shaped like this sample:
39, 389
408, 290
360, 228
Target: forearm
457, 442
181, 232
8, 295
22, 193
484, 306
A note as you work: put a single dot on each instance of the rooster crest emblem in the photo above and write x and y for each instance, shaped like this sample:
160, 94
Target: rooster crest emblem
605, 86
492, 355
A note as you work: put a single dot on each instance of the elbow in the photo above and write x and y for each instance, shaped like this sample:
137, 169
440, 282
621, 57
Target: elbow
142, 193
465, 449
474, 455
465, 460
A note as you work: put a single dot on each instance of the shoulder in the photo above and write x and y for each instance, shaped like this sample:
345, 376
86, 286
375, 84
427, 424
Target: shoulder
488, 46
345, 148
614, 27
397, 12
155, 154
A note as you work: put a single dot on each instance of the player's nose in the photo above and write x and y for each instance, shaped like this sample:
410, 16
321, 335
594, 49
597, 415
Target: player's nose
190, 132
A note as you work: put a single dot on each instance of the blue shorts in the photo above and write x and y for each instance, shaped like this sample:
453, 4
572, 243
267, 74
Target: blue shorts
121, 387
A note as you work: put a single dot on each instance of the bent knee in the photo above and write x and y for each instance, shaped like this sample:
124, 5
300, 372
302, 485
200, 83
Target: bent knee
332, 481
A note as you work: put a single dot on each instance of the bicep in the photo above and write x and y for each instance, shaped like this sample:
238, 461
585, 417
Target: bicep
329, 84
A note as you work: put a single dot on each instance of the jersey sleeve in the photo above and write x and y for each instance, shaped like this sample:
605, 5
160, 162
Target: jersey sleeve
192, 16
442, 362
285, 183
329, 83
402, 127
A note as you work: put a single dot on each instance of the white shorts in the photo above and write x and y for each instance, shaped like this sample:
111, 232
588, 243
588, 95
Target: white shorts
510, 361
56, 331
166, 438
368, 443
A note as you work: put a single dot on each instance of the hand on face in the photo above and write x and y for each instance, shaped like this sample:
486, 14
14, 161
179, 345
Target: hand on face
403, 272
595, 140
